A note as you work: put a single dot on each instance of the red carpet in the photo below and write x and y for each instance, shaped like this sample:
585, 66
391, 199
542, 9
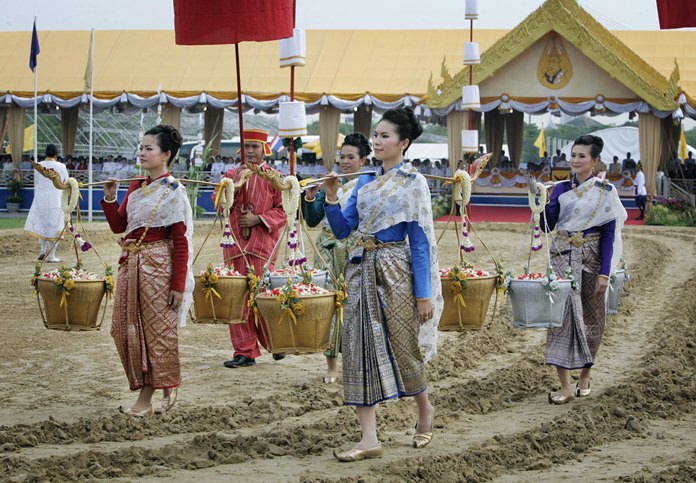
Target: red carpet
505, 214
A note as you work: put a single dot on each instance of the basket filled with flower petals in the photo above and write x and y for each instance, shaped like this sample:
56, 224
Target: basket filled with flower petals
298, 317
219, 296
538, 300
467, 293
70, 298
616, 284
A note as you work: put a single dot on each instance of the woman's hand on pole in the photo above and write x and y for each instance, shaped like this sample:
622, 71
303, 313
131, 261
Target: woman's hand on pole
310, 193
425, 310
331, 186
110, 189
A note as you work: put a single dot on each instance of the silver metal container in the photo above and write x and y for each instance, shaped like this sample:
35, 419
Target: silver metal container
317, 279
532, 308
615, 289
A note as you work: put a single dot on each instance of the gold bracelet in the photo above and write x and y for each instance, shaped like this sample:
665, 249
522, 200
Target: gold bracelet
309, 200
329, 202
110, 201
423, 299
603, 276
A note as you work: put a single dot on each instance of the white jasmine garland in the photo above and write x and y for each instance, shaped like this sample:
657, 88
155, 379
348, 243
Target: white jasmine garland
291, 199
70, 198
462, 191
226, 195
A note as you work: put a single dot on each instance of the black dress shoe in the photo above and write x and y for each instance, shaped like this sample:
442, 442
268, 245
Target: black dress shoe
278, 357
239, 361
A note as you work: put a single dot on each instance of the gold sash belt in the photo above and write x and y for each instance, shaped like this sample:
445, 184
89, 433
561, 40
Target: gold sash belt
577, 239
370, 243
134, 248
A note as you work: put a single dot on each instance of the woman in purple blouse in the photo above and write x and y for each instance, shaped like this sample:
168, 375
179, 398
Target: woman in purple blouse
588, 216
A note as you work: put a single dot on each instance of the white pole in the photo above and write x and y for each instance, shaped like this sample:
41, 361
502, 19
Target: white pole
91, 113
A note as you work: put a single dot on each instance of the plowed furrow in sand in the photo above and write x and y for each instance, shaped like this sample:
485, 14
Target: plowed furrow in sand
663, 445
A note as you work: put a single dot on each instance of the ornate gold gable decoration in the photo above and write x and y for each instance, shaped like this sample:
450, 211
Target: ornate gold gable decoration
555, 69
577, 27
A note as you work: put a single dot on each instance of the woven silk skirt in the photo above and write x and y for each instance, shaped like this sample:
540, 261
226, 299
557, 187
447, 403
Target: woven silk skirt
144, 327
379, 340
575, 344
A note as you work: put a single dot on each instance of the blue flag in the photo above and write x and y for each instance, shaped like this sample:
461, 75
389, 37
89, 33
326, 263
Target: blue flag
35, 50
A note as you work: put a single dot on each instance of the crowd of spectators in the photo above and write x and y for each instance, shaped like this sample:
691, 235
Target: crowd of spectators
120, 167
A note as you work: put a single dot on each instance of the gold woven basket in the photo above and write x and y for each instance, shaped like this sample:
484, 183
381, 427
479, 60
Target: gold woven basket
82, 310
311, 332
225, 310
477, 296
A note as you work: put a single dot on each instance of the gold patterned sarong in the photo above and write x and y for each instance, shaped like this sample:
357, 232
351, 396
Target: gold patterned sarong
381, 357
575, 344
144, 327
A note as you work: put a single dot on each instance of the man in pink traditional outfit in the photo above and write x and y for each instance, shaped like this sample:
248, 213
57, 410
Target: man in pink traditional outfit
256, 219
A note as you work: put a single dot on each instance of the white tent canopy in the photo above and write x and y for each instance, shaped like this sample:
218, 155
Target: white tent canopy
617, 142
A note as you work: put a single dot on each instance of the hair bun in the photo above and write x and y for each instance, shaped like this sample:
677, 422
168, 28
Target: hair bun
416, 128
168, 138
359, 141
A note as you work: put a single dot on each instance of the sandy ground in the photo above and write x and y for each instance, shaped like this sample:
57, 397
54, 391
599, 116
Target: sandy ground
59, 393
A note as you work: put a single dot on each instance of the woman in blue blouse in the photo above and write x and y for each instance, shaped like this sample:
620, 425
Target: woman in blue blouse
354, 152
588, 216
394, 300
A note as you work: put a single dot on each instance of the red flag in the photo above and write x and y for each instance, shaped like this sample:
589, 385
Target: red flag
676, 14
208, 22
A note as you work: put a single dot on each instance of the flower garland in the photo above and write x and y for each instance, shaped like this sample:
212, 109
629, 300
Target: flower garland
462, 196
84, 244
69, 198
227, 241
296, 257
290, 302
35, 278
537, 207
108, 280
291, 198
341, 296
209, 279
255, 285
224, 197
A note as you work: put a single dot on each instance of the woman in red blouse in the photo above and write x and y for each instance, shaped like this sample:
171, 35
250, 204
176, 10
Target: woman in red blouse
154, 284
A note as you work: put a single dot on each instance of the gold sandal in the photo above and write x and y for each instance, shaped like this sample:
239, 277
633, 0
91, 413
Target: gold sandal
421, 440
356, 454
560, 398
